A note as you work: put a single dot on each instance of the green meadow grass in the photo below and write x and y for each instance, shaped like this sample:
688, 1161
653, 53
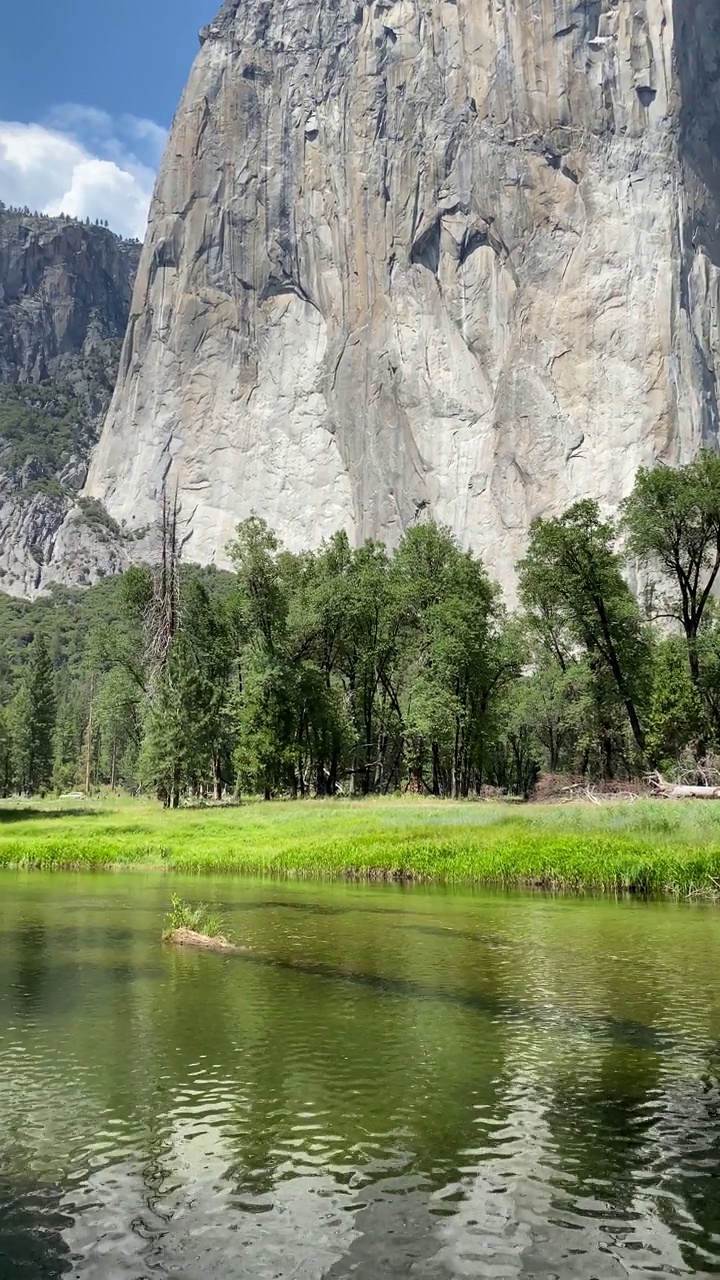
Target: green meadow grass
645, 847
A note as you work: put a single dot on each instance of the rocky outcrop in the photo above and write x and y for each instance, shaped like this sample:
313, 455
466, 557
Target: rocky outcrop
425, 258
65, 288
65, 292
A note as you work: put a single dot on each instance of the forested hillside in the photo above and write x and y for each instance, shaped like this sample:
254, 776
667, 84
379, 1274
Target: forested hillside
355, 671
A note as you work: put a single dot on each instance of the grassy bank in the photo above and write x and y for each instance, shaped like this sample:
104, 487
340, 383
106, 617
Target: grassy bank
649, 847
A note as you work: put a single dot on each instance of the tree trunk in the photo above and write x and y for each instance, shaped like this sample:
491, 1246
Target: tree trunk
89, 738
455, 778
436, 768
619, 678
607, 752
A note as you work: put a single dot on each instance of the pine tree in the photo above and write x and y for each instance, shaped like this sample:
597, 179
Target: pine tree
163, 758
67, 745
33, 722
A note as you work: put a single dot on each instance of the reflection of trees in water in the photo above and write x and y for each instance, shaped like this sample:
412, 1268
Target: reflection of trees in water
327, 1072
31, 1225
682, 1161
599, 1111
610, 1152
32, 966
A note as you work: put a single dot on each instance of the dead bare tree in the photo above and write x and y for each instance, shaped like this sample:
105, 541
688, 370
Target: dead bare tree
165, 607
162, 623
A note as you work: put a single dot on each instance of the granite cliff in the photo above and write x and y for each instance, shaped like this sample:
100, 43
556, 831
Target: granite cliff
448, 258
65, 290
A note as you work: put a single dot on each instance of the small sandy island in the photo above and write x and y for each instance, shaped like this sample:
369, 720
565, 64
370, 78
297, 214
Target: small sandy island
188, 938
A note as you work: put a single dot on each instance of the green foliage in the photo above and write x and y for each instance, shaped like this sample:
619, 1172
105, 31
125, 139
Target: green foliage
98, 519
672, 519
6, 757
44, 427
198, 919
136, 593
572, 586
117, 728
351, 670
514, 762
189, 721
68, 745
675, 717
708, 684
164, 757
358, 667
458, 656
263, 591
32, 718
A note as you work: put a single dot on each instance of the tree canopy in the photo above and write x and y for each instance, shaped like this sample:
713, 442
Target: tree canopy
349, 670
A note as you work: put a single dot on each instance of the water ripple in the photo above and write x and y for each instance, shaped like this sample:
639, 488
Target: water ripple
407, 1084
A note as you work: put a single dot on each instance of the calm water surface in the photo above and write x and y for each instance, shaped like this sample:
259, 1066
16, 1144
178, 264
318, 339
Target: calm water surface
395, 1083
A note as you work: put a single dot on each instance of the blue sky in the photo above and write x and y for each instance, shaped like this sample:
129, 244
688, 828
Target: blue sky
87, 91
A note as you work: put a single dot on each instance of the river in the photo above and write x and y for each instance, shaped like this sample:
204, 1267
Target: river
394, 1082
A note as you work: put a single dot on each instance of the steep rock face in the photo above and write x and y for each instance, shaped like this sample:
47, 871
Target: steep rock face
453, 258
65, 291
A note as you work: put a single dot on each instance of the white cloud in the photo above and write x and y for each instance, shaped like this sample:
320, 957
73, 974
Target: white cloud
83, 162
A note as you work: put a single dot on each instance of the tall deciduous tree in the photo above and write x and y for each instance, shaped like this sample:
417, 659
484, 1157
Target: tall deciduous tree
456, 652
572, 586
672, 518
255, 552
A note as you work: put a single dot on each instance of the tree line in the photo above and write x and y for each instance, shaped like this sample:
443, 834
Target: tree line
24, 211
357, 670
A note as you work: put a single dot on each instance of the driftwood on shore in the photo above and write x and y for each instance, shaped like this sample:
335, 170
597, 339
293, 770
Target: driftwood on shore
189, 938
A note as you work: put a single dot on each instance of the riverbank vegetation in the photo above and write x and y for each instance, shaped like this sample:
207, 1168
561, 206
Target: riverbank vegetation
346, 672
644, 847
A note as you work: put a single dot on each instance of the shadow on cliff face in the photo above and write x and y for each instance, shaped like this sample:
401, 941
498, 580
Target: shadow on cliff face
697, 46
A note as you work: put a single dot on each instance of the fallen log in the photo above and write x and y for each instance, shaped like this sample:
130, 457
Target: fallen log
189, 938
673, 792
678, 791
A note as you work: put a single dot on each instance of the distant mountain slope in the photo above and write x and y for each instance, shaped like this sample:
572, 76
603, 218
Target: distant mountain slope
65, 291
